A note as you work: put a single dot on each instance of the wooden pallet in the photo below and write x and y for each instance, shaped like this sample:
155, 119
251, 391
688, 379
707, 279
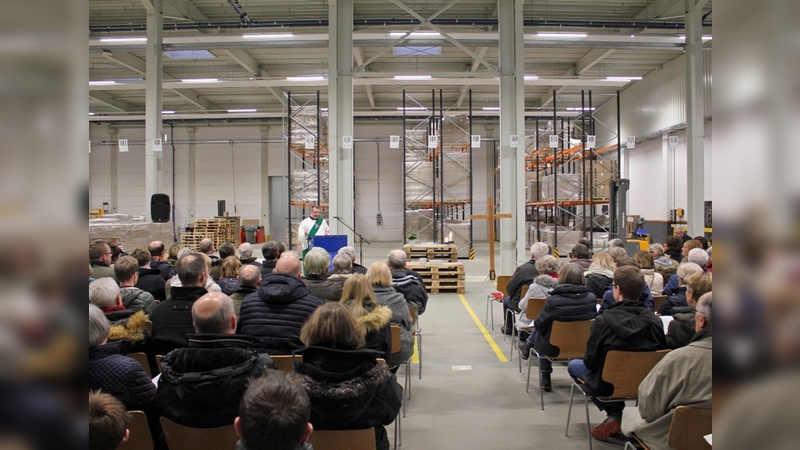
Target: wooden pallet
443, 277
447, 252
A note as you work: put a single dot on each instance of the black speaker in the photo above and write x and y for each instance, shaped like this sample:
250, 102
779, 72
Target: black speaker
159, 207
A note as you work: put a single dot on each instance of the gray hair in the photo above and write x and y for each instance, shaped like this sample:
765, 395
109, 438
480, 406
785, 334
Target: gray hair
615, 243
183, 252
190, 268
342, 264
617, 252
546, 281
685, 270
698, 256
245, 250
539, 250
349, 251
103, 292
397, 259
98, 326
248, 275
206, 246
316, 261
217, 322
547, 264
704, 307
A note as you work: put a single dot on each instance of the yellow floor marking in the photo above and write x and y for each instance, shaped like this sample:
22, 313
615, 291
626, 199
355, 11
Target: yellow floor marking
500, 355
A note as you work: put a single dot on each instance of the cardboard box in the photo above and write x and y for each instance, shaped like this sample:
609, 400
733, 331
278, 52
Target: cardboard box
251, 222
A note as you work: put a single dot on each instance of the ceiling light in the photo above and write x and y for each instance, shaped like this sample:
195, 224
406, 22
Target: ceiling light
168, 112
623, 78
267, 36
412, 108
102, 83
578, 108
412, 77
415, 34
91, 113
244, 110
200, 80
306, 78
124, 39
704, 38
531, 77
561, 35
491, 108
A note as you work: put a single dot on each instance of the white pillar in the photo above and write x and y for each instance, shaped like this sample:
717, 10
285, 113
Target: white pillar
695, 93
265, 198
153, 78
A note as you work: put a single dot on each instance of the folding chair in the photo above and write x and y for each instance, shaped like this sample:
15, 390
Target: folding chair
396, 347
418, 335
535, 307
625, 371
658, 301
140, 437
285, 363
496, 296
570, 338
343, 439
687, 430
141, 358
181, 437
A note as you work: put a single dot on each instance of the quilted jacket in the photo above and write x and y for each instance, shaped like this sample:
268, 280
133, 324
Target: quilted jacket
137, 299
120, 376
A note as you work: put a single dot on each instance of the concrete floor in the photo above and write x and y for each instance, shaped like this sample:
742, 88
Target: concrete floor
484, 406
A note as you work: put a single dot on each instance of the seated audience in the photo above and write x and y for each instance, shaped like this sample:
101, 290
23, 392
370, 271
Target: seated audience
680, 330
100, 260
608, 296
347, 387
380, 277
548, 267
682, 378
225, 251
571, 300
523, 275
249, 280
274, 414
695, 255
105, 294
108, 422
406, 281
342, 268
653, 279
150, 280
373, 318
201, 385
270, 252
276, 312
601, 271
672, 248
157, 261
617, 253
229, 274
678, 297
579, 255
315, 264
135, 299
246, 254
351, 252
211, 285
172, 254
688, 246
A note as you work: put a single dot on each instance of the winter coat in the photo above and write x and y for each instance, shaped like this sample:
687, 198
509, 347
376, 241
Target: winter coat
358, 268
133, 330
138, 300
276, 312
582, 263
150, 280
675, 254
251, 260
409, 283
120, 376
672, 285
322, 288
653, 280
376, 325
228, 285
163, 267
172, 319
682, 327
522, 276
628, 326
238, 296
349, 390
211, 285
676, 300
682, 378
608, 299
598, 281
267, 267
540, 288
566, 303
387, 296
201, 385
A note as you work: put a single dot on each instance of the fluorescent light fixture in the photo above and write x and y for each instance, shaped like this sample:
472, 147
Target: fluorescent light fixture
244, 110
91, 113
578, 108
415, 34
102, 83
412, 77
491, 108
623, 78
417, 51
545, 34
412, 108
704, 38
168, 112
531, 77
189, 54
200, 80
267, 36
124, 39
306, 78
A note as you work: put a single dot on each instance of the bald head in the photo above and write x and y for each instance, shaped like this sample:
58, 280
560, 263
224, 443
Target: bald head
249, 275
213, 313
397, 259
206, 246
289, 263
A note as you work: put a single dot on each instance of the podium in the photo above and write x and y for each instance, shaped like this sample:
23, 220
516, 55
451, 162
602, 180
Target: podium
331, 243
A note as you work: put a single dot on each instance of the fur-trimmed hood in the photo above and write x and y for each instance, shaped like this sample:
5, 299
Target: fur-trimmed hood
376, 319
132, 329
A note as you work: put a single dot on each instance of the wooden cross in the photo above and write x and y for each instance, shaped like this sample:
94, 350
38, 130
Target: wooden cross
490, 217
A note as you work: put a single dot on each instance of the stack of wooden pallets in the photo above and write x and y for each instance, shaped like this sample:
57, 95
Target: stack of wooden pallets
219, 229
440, 277
447, 252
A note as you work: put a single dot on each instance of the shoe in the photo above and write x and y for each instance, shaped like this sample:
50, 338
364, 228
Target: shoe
546, 385
608, 428
524, 350
505, 331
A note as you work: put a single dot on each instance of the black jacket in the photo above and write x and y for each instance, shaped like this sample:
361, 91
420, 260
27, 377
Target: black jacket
349, 390
172, 319
276, 312
409, 283
682, 328
675, 254
201, 385
628, 326
522, 276
322, 288
566, 303
120, 376
676, 300
163, 267
267, 267
598, 284
358, 268
150, 280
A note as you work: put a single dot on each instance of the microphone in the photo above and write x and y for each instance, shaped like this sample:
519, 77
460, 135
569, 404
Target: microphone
336, 217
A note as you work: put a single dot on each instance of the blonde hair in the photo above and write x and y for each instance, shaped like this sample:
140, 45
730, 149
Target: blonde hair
357, 293
332, 325
699, 283
644, 259
602, 260
230, 267
379, 275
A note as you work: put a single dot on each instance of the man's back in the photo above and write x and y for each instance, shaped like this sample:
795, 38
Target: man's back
405, 282
172, 319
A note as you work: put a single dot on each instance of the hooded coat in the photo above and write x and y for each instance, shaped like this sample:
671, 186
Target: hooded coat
349, 390
276, 312
376, 324
387, 296
172, 319
150, 280
626, 325
120, 376
598, 281
567, 303
410, 285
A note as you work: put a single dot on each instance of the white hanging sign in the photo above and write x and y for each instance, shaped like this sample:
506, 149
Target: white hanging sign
433, 141
591, 141
475, 140
513, 141
631, 141
309, 143
123, 145
394, 141
673, 141
156, 145
553, 141
347, 142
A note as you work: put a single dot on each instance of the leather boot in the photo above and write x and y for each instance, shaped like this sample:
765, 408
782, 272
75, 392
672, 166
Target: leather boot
546, 384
